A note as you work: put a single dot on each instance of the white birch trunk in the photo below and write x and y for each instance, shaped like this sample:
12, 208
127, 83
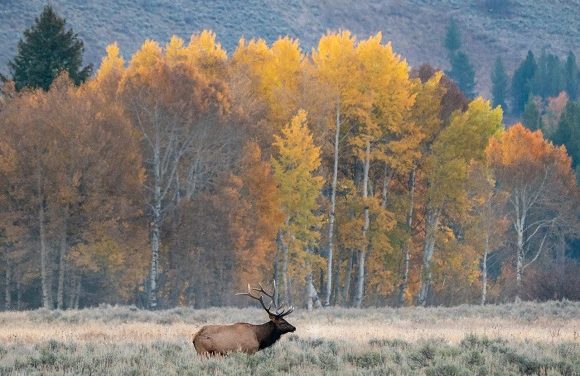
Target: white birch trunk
519, 261
362, 254
46, 294
348, 278
155, 228
61, 267
519, 225
484, 270
431, 223
409, 242
284, 272
332, 210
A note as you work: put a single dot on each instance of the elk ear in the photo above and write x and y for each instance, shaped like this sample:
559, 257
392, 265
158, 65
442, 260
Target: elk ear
272, 317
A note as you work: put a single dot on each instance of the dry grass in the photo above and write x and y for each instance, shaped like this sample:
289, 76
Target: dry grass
509, 339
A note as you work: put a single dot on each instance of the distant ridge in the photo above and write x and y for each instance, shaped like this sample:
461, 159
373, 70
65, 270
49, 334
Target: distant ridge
415, 27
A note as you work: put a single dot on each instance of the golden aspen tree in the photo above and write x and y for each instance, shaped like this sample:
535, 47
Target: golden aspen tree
206, 54
110, 72
457, 145
426, 115
294, 167
334, 62
387, 97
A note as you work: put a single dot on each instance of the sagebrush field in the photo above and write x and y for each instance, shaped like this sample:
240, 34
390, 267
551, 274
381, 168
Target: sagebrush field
529, 338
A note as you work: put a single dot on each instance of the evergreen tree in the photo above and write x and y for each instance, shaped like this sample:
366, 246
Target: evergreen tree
45, 50
531, 117
571, 76
499, 84
521, 83
568, 131
548, 79
462, 73
452, 38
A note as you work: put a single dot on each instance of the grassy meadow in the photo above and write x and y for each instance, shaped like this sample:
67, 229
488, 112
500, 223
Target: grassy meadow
528, 338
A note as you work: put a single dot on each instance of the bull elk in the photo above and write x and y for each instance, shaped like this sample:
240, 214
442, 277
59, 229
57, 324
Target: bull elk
244, 337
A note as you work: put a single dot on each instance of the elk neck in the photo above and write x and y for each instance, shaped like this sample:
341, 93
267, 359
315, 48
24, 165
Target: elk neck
267, 334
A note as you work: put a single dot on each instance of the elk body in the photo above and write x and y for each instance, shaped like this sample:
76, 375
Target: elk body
244, 337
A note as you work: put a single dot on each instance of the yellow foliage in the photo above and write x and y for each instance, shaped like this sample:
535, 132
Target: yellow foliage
294, 165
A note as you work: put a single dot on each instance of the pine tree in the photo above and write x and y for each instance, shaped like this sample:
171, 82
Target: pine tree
452, 37
531, 117
571, 76
568, 131
462, 73
521, 83
499, 84
45, 50
548, 79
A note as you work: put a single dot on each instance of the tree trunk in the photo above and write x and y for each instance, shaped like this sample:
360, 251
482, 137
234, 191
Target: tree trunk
431, 223
277, 267
61, 266
362, 254
386, 180
18, 294
332, 210
309, 292
336, 284
519, 262
77, 293
71, 295
155, 229
347, 279
284, 271
484, 269
46, 293
8, 292
408, 244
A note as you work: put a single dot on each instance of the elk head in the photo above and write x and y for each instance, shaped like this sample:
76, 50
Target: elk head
276, 317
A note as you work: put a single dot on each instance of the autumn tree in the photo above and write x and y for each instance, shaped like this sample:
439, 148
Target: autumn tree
55, 154
294, 167
538, 178
335, 64
46, 50
462, 142
168, 105
426, 113
387, 98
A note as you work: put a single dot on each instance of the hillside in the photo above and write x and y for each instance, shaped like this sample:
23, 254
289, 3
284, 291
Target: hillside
415, 27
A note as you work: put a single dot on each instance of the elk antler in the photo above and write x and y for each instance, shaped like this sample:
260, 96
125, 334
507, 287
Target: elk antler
280, 311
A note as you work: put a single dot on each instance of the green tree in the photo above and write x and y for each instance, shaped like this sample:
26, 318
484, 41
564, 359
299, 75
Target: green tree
571, 76
531, 117
548, 79
462, 73
521, 83
452, 37
568, 132
46, 49
499, 84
